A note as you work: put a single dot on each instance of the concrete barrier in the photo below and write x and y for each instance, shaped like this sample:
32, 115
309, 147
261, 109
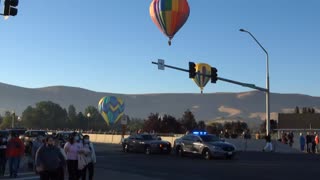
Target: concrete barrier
241, 144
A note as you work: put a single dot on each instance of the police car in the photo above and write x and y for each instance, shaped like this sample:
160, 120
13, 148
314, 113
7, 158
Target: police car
204, 144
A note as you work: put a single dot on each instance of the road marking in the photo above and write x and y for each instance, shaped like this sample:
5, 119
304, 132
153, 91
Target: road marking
24, 173
21, 178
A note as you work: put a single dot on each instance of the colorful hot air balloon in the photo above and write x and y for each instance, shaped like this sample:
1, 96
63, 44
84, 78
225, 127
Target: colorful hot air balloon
200, 80
169, 15
111, 109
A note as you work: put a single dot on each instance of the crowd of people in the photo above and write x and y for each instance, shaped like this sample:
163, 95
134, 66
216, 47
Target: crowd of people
310, 142
50, 160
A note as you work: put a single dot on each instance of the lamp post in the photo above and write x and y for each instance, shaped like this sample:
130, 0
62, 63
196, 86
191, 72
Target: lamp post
267, 82
13, 117
88, 116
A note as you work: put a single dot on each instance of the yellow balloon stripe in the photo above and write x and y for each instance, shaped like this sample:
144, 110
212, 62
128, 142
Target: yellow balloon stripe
105, 116
199, 79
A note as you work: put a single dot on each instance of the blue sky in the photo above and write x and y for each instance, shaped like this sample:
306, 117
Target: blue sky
108, 45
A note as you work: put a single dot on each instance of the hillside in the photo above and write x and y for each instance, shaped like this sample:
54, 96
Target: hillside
247, 106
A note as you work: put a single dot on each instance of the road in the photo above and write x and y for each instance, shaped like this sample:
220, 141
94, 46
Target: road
112, 163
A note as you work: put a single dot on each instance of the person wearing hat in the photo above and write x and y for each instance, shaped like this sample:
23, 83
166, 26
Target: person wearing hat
15, 151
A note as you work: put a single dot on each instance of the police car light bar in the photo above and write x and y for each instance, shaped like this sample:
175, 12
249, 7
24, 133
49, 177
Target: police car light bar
199, 133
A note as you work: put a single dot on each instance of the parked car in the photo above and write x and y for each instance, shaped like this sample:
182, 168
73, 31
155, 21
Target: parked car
64, 136
4, 133
146, 143
18, 131
30, 135
206, 145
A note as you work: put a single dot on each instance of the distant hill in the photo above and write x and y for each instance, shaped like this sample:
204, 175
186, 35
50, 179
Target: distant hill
247, 106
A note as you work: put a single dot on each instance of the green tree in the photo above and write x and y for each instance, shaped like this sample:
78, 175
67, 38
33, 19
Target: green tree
169, 124
152, 123
95, 121
46, 114
188, 121
7, 120
201, 125
134, 125
72, 116
214, 128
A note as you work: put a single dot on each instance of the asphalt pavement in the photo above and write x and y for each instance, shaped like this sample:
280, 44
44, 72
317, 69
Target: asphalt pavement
114, 164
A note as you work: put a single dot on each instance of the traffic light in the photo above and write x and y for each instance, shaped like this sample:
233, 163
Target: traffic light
192, 69
214, 75
9, 7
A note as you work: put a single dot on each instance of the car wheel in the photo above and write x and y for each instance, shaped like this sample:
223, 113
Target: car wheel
148, 150
179, 151
229, 157
206, 154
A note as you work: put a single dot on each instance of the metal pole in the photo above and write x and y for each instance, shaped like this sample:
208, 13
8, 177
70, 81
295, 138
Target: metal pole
267, 82
268, 98
12, 122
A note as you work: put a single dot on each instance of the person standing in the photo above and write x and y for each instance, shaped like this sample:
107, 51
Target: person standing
15, 150
36, 144
61, 171
268, 146
3, 158
90, 155
49, 160
309, 142
317, 142
72, 149
302, 142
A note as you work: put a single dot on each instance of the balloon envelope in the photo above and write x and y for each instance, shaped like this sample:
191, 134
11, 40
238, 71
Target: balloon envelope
111, 108
200, 80
169, 15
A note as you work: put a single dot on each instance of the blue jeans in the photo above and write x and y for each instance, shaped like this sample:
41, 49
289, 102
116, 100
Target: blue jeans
14, 163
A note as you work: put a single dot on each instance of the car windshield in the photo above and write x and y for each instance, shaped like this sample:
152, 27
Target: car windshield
147, 137
38, 133
210, 138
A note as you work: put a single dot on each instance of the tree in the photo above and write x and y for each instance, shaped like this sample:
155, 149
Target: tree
201, 125
273, 125
214, 128
313, 111
134, 125
7, 120
46, 114
169, 124
95, 121
72, 116
304, 110
188, 121
297, 110
152, 123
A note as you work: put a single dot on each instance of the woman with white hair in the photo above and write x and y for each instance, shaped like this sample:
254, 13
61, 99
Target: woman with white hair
302, 142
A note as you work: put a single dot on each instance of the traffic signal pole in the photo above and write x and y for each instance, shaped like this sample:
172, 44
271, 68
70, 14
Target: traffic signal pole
252, 86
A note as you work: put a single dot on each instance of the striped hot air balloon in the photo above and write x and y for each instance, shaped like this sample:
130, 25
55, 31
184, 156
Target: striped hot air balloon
200, 80
169, 15
111, 108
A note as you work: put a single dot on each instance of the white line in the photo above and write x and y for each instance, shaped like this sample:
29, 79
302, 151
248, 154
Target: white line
22, 178
24, 173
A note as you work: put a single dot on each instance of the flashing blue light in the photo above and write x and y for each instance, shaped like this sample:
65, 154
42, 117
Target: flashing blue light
199, 133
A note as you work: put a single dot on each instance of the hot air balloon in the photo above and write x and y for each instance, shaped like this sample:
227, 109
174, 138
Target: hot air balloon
169, 15
111, 108
200, 80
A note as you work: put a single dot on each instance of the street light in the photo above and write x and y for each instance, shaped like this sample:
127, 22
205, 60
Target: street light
267, 83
